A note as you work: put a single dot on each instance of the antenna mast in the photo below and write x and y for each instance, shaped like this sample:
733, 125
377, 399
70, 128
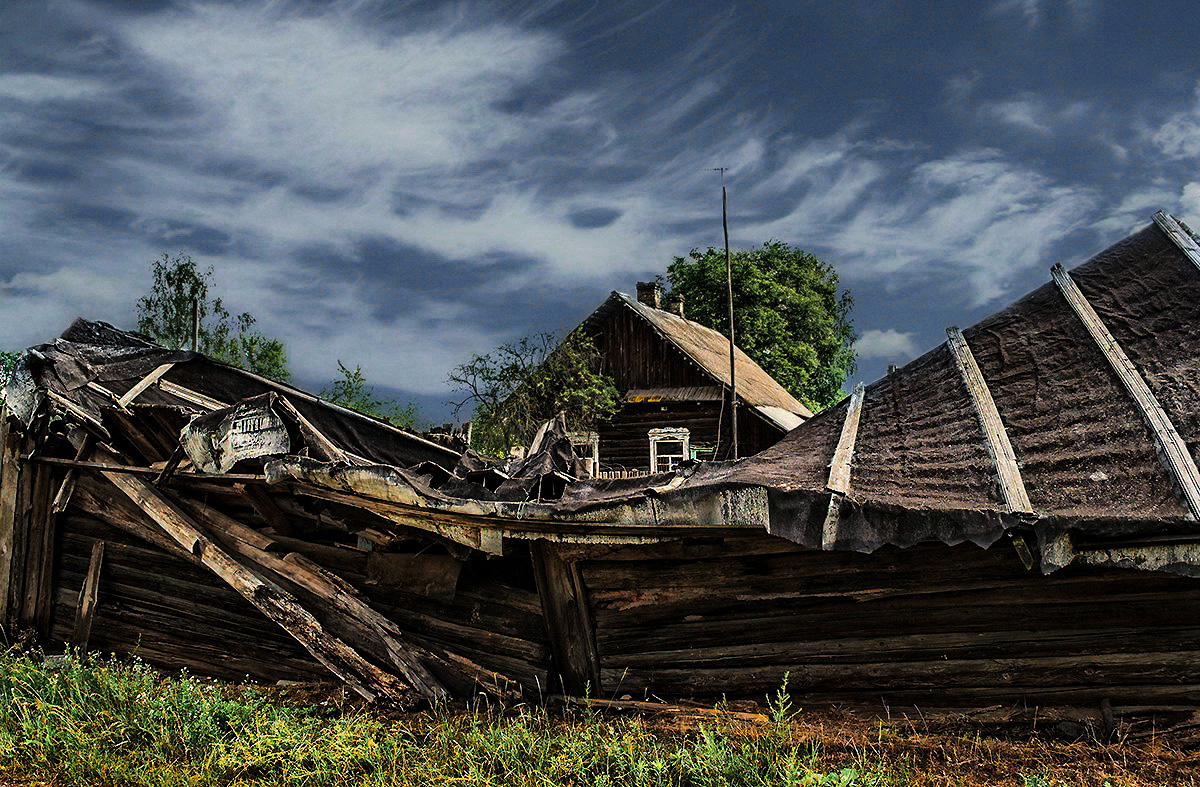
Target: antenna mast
729, 293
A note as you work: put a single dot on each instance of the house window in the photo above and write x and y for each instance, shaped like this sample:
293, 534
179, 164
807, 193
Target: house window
586, 446
668, 448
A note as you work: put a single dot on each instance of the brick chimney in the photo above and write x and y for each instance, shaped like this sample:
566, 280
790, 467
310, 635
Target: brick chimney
674, 304
649, 293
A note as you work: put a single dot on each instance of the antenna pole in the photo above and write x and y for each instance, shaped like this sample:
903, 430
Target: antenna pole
729, 292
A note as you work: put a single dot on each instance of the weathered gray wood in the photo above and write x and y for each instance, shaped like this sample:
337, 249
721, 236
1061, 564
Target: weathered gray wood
326, 586
360, 675
568, 619
10, 470
1168, 224
143, 384
89, 594
317, 442
999, 448
40, 557
190, 396
839, 468
1172, 451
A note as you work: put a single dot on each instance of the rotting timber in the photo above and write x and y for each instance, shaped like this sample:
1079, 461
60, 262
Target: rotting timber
1008, 519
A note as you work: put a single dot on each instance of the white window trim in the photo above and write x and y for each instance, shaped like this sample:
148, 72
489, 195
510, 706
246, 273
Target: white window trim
672, 434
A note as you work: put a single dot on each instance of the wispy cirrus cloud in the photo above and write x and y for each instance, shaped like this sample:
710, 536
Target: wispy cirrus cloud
887, 344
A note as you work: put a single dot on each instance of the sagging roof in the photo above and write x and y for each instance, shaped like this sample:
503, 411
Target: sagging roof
709, 349
1028, 422
926, 459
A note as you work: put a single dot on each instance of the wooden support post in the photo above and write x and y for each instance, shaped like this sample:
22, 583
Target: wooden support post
143, 384
88, 597
995, 436
20, 535
1167, 223
1171, 449
839, 468
568, 618
10, 471
40, 556
364, 678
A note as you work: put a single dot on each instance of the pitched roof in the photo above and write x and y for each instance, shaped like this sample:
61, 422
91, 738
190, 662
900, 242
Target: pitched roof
709, 349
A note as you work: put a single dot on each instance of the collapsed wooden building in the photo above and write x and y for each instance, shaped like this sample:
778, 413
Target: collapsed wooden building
1011, 518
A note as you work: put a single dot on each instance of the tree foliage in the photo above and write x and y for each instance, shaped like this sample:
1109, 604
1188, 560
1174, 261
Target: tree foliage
352, 391
788, 314
520, 385
165, 315
8, 360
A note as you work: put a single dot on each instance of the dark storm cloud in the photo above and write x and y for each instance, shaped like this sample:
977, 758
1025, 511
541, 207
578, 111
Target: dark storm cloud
404, 184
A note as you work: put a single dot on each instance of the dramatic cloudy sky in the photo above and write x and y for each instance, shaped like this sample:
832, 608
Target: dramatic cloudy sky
399, 185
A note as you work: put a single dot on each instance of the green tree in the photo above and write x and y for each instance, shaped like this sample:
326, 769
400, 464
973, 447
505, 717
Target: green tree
352, 391
520, 385
8, 360
165, 315
789, 315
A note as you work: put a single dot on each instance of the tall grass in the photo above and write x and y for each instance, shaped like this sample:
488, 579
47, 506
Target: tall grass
111, 722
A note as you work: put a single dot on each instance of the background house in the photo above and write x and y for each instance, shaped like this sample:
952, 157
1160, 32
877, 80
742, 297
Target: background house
673, 375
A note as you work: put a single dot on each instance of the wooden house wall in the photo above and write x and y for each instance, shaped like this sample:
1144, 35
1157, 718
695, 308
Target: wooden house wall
635, 356
625, 441
931, 626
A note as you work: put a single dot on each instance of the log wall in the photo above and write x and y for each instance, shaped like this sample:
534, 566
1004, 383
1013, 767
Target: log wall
930, 626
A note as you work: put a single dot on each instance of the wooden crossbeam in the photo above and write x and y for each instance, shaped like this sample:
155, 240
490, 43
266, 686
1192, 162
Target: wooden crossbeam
143, 384
839, 468
999, 448
1171, 449
1175, 231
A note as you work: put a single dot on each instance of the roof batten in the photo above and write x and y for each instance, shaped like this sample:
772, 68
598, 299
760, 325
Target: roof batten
1171, 449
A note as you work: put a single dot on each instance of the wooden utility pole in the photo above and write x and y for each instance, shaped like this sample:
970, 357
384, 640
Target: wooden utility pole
195, 324
729, 290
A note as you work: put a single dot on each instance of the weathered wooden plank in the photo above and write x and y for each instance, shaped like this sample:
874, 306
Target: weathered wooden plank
839, 467
568, 619
190, 396
226, 478
999, 447
317, 442
89, 594
1168, 224
143, 384
1171, 449
40, 557
363, 677
10, 470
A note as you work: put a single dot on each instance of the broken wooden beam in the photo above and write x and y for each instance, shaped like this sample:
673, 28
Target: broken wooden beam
839, 468
1171, 449
364, 678
995, 436
89, 594
320, 584
143, 384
